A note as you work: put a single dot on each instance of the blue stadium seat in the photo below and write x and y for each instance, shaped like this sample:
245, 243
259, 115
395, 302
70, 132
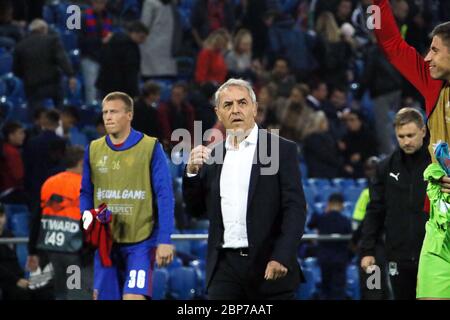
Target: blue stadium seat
183, 246
185, 18
319, 207
303, 170
353, 288
183, 283
318, 183
352, 193
199, 267
14, 89
6, 62
20, 224
310, 195
306, 290
362, 183
199, 248
176, 263
69, 40
6, 107
324, 192
343, 182
160, 283
22, 254
11, 210
312, 264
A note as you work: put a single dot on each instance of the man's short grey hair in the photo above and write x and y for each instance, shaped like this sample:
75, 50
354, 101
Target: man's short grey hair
38, 25
236, 83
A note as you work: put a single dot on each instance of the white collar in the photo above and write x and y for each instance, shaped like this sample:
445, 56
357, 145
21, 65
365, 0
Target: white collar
252, 138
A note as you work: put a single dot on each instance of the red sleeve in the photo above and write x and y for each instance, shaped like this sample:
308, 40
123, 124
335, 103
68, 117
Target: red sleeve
201, 69
404, 57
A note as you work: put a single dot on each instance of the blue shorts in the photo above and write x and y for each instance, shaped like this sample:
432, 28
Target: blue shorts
131, 272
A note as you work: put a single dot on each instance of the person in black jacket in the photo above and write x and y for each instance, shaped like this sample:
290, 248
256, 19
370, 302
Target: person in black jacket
333, 256
396, 205
120, 61
257, 211
39, 60
145, 117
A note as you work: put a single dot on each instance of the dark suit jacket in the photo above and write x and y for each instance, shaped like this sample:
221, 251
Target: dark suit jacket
39, 60
276, 213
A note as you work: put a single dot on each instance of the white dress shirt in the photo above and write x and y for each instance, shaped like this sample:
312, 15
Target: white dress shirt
234, 184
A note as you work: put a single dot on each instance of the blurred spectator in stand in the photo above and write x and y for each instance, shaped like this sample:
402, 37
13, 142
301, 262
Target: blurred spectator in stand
239, 60
281, 77
100, 127
294, 115
211, 66
13, 282
145, 117
11, 165
333, 256
10, 32
70, 119
320, 149
359, 213
202, 99
334, 109
176, 114
42, 157
96, 30
210, 15
160, 48
384, 83
258, 19
287, 40
359, 21
38, 61
318, 95
120, 61
357, 145
344, 12
267, 109
334, 51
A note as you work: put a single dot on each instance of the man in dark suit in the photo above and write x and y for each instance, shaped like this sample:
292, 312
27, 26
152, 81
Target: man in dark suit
40, 61
257, 214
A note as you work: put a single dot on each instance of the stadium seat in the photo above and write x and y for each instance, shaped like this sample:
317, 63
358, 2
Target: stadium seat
6, 61
6, 107
199, 248
199, 267
183, 246
319, 207
362, 182
14, 89
352, 193
303, 170
318, 183
20, 224
160, 283
183, 283
176, 263
324, 192
69, 40
353, 289
312, 264
310, 195
343, 183
11, 210
22, 254
306, 290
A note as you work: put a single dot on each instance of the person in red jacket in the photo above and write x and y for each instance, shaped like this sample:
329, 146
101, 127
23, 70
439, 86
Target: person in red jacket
431, 77
211, 66
12, 170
